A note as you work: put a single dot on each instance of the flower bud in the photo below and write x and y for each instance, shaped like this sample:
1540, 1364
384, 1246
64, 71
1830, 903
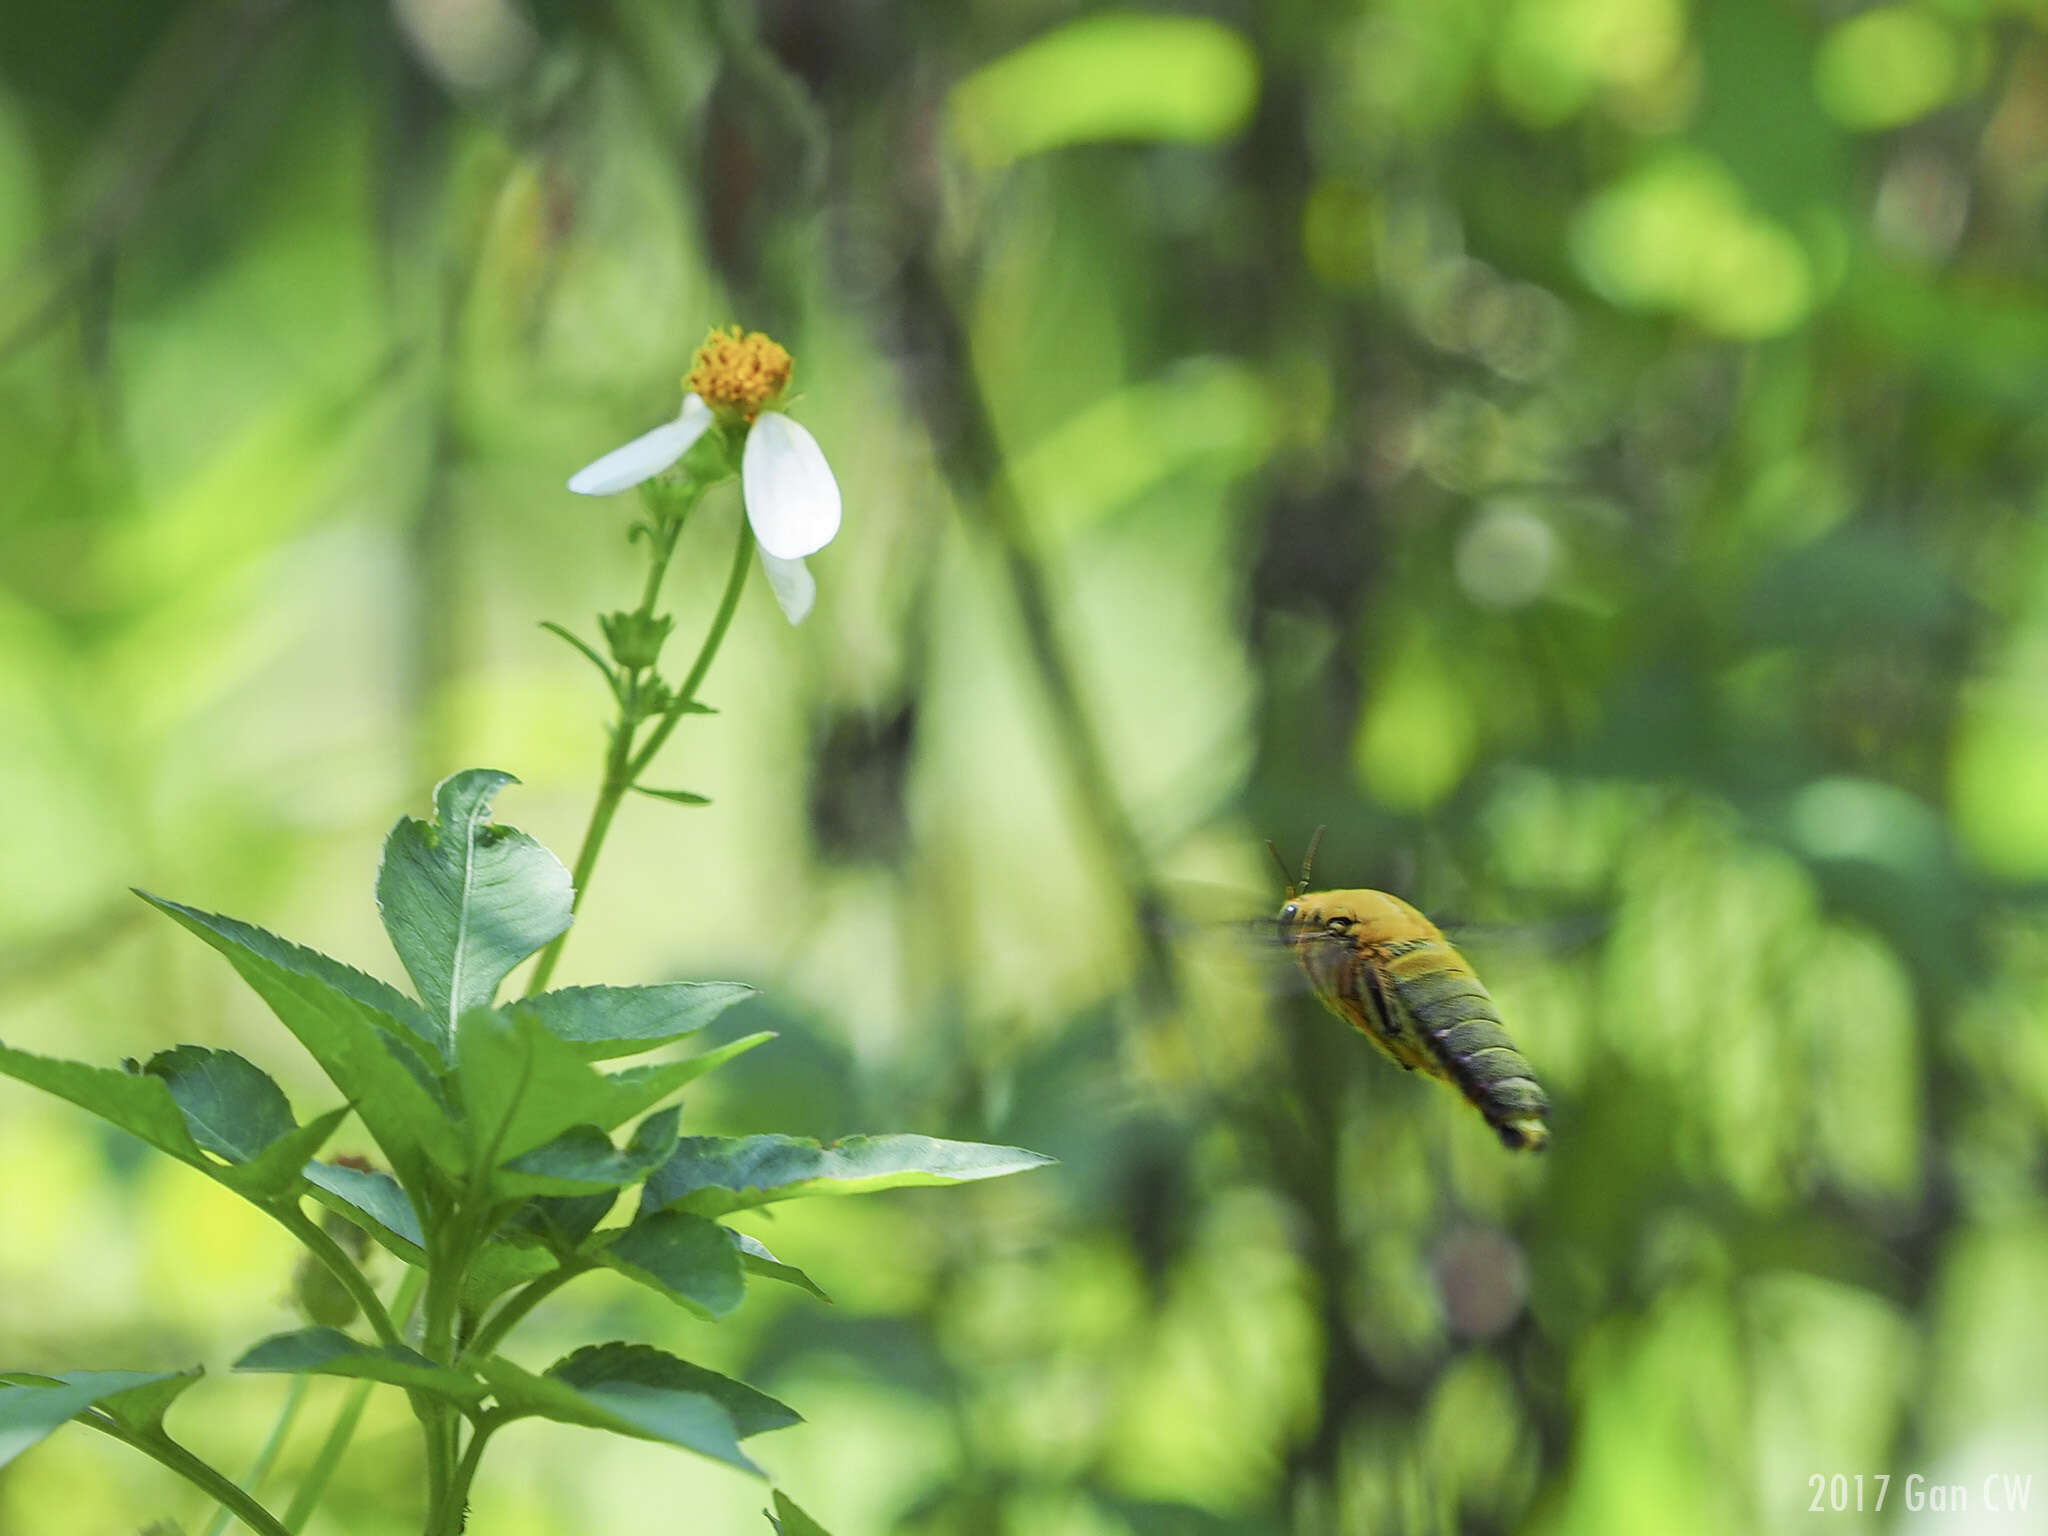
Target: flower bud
635, 639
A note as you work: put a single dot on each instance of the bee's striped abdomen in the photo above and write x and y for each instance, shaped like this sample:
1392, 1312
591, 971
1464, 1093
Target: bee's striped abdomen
1453, 1012
1389, 972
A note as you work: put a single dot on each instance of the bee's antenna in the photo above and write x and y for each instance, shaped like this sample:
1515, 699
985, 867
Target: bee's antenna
1281, 864
1308, 859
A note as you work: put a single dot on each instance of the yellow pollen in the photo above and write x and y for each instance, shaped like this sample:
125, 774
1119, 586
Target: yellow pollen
736, 375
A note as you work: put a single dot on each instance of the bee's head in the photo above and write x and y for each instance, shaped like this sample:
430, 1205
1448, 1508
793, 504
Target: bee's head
1316, 915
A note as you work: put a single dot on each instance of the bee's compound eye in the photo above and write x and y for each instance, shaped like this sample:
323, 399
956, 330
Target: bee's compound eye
1289, 912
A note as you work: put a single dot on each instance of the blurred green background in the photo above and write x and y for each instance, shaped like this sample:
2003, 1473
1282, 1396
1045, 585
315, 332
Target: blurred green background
1589, 453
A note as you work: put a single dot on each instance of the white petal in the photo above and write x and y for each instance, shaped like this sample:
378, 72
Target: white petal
646, 456
792, 499
795, 588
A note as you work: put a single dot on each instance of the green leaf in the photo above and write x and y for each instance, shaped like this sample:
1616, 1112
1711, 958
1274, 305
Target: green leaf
277, 1168
637, 1087
691, 1261
678, 796
694, 1421
376, 1203
373, 1201
232, 1106
501, 1265
523, 1086
465, 900
143, 1104
365, 1049
561, 1222
637, 1390
32, 1406
589, 650
599, 1367
712, 1175
756, 1258
382, 999
582, 1160
789, 1520
602, 1022
330, 1352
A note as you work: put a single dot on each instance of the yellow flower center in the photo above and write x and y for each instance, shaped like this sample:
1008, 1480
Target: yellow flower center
736, 375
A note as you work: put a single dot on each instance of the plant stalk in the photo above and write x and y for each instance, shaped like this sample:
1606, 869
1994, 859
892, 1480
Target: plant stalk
335, 1446
623, 763
217, 1485
267, 1457
514, 1311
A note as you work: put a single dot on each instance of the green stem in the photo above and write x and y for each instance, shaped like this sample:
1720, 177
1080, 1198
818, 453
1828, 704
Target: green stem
624, 765
728, 604
514, 1311
454, 1508
222, 1489
609, 794
314, 1484
309, 1493
267, 1457
344, 1268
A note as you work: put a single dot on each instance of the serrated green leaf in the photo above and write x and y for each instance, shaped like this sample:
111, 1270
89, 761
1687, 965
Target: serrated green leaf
330, 1352
465, 900
596, 1367
694, 1421
521, 1086
636, 1088
231, 1105
603, 1022
561, 1222
712, 1175
391, 1005
582, 1160
32, 1406
143, 1105
789, 1520
368, 1052
276, 1169
636, 1390
373, 1201
757, 1260
501, 1265
691, 1261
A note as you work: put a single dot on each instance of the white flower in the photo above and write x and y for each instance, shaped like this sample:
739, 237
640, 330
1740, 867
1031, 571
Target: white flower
791, 498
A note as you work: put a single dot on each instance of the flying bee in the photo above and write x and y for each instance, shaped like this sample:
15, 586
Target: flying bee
1386, 970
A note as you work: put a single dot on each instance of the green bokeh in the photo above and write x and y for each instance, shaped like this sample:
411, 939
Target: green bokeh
1588, 455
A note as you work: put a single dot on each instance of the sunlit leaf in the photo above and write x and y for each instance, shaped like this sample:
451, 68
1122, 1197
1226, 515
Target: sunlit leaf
712, 1175
603, 1022
465, 900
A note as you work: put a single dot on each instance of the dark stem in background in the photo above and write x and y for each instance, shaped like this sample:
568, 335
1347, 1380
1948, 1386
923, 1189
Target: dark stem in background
958, 420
